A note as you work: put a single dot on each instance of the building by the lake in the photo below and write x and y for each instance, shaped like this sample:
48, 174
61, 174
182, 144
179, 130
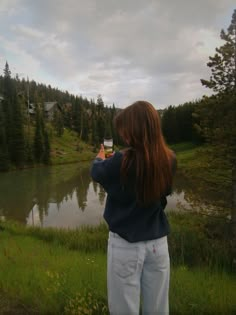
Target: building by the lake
50, 108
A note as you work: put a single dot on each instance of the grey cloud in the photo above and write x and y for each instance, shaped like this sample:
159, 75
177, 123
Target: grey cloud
119, 48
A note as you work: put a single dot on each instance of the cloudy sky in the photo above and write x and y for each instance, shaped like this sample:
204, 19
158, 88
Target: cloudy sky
125, 50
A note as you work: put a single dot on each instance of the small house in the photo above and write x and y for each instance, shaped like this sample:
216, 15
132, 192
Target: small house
50, 108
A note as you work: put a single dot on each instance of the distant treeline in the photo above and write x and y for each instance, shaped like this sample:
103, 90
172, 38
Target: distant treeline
25, 131
209, 120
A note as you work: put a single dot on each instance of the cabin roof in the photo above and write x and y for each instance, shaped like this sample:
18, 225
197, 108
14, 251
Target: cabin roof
49, 105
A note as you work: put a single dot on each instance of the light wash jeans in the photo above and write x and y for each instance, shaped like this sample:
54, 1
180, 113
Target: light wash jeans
134, 269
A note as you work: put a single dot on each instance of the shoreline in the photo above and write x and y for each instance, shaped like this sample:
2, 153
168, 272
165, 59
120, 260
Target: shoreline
26, 167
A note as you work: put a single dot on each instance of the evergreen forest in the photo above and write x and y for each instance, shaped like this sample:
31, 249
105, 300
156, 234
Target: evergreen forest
26, 131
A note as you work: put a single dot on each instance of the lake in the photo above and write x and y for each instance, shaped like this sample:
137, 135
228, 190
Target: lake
65, 196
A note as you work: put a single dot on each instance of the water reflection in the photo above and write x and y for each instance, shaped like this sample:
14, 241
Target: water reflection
52, 196
198, 196
73, 210
65, 196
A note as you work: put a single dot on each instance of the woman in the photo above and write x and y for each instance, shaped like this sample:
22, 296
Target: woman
137, 181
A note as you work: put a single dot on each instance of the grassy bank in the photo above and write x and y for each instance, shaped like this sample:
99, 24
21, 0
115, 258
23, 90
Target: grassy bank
199, 163
54, 271
65, 149
69, 149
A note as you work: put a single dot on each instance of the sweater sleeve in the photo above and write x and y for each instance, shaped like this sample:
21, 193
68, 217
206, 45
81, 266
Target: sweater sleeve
98, 170
101, 170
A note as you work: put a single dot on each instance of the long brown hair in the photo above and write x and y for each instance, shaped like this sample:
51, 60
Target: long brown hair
139, 127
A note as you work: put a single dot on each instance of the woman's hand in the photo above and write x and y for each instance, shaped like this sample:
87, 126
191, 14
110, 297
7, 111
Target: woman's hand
101, 153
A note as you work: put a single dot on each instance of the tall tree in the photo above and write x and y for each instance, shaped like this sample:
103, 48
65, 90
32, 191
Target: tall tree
7, 103
17, 133
108, 124
84, 126
41, 140
100, 128
4, 156
58, 123
113, 130
46, 154
94, 132
100, 104
170, 125
223, 81
223, 63
77, 115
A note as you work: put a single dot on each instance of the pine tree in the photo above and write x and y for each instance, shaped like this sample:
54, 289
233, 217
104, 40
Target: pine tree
85, 126
41, 137
46, 154
223, 81
100, 128
100, 104
4, 156
81, 124
58, 123
29, 152
76, 115
223, 63
94, 136
107, 125
170, 124
17, 133
67, 117
7, 104
113, 130
38, 137
13, 116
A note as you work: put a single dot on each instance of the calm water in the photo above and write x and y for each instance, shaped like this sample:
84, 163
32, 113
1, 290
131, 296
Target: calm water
65, 196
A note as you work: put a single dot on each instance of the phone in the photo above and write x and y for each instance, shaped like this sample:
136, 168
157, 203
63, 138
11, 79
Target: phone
108, 147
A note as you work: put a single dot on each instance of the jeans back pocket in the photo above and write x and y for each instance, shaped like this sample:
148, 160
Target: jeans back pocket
124, 260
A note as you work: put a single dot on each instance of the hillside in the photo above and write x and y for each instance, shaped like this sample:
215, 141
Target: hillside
69, 149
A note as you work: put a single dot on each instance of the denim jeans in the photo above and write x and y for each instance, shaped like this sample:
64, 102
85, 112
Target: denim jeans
135, 269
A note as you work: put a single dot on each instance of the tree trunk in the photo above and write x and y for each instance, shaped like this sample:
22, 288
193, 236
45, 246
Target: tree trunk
233, 215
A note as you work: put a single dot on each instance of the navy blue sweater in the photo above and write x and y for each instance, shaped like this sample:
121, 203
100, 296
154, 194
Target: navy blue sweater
122, 212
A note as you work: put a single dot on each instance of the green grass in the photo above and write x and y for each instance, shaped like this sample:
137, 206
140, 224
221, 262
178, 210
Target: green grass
183, 146
56, 271
198, 241
200, 291
69, 149
186, 153
194, 240
86, 238
201, 166
45, 278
